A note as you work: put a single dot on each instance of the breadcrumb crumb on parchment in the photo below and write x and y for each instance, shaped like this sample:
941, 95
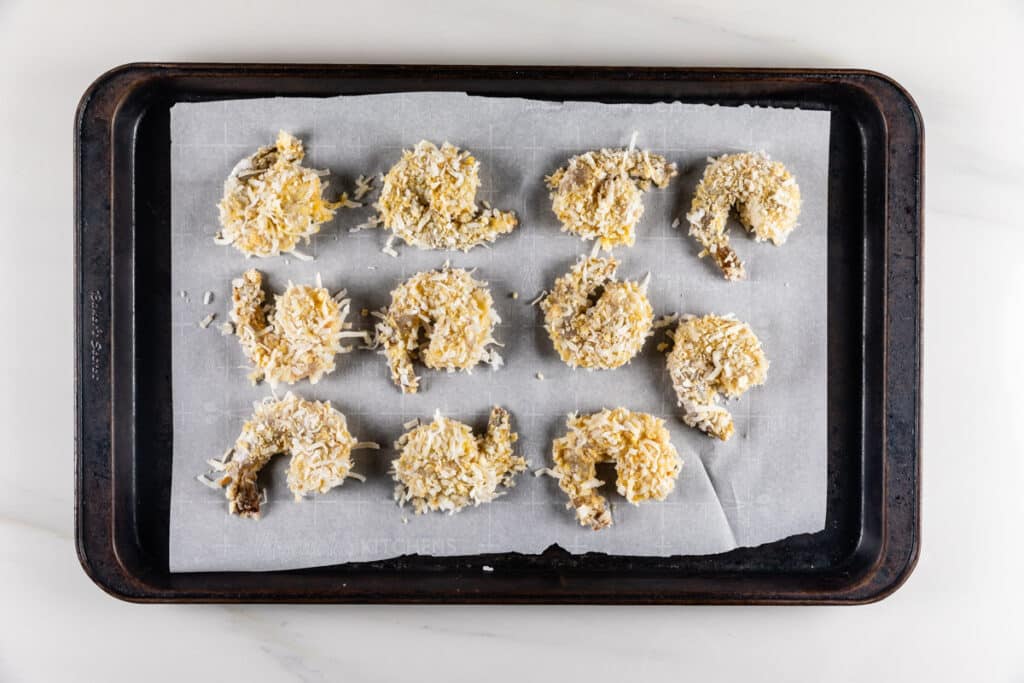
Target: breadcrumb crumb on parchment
442, 466
314, 434
646, 463
714, 355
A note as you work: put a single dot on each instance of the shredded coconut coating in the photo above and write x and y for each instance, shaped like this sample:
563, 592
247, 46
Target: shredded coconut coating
300, 337
314, 434
442, 466
646, 463
599, 195
595, 321
766, 198
271, 201
429, 200
714, 355
442, 318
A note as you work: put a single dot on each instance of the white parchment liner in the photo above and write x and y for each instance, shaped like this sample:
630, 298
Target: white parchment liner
767, 483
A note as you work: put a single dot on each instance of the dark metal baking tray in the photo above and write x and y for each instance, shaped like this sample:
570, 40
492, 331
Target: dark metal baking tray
123, 355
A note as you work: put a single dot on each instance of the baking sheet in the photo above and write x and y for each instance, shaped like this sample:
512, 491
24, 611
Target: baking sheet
767, 483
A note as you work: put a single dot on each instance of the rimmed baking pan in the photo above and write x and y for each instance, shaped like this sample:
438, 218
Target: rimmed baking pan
123, 358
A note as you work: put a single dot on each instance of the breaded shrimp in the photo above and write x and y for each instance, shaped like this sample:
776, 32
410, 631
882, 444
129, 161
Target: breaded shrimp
442, 466
646, 463
764, 194
713, 355
443, 318
314, 434
271, 201
595, 321
599, 195
301, 336
429, 200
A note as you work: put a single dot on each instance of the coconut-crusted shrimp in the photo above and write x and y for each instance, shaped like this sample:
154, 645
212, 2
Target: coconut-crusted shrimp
714, 355
599, 195
595, 321
443, 318
646, 463
443, 466
301, 336
271, 201
429, 200
766, 198
312, 432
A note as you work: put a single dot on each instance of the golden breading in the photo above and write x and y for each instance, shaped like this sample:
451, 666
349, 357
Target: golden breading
313, 433
444, 319
595, 321
714, 355
442, 466
301, 336
766, 198
646, 463
429, 200
599, 195
271, 201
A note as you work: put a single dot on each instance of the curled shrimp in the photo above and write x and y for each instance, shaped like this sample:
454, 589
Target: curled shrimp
443, 318
764, 194
295, 338
312, 432
599, 194
714, 355
594, 320
646, 463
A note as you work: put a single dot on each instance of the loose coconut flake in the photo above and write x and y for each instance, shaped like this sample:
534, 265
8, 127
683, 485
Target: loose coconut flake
364, 186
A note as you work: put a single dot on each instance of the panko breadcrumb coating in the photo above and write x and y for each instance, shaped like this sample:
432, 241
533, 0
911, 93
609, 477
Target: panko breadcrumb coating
312, 432
429, 200
595, 321
271, 201
442, 466
646, 463
766, 198
301, 336
713, 355
442, 318
599, 195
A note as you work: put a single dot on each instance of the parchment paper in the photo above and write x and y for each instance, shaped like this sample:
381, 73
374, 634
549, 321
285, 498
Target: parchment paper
766, 483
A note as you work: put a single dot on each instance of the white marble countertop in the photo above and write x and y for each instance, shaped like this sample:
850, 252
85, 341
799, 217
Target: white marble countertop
958, 614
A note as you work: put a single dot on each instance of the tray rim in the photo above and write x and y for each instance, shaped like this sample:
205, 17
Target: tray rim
97, 554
